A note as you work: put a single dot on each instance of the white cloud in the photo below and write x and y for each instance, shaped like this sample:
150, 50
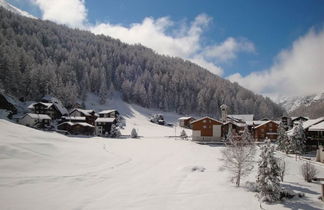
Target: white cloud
296, 71
162, 35
229, 49
69, 12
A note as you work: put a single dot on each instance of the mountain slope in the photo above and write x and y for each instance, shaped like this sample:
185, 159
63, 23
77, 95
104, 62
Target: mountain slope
40, 58
311, 105
14, 9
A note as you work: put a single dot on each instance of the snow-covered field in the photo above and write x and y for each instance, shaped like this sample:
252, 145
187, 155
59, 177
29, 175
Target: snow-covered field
47, 170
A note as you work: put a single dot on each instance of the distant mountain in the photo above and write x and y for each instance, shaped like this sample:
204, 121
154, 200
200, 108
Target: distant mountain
40, 58
311, 105
14, 9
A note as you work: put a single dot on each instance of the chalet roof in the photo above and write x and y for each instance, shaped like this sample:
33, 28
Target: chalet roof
38, 116
77, 123
57, 103
266, 122
74, 118
312, 122
244, 117
86, 112
108, 111
294, 118
47, 105
317, 127
185, 118
203, 118
254, 122
108, 119
235, 123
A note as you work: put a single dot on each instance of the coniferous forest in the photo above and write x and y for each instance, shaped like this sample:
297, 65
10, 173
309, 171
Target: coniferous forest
39, 58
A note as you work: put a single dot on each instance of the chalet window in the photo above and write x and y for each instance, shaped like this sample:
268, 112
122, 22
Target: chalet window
204, 121
204, 126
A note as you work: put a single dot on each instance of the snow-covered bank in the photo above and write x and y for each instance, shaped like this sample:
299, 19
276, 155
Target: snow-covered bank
46, 170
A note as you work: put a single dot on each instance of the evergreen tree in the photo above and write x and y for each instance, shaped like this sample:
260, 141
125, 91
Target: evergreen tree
268, 179
246, 135
282, 139
298, 139
114, 131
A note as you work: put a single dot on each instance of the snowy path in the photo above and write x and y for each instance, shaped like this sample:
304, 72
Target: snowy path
42, 170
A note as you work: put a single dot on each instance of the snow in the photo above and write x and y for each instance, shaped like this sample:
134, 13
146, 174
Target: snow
14, 9
317, 127
108, 119
312, 122
47, 170
265, 122
39, 116
107, 111
244, 117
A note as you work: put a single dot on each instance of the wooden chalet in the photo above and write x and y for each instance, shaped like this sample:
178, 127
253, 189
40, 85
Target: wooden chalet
267, 129
103, 125
185, 122
206, 129
236, 128
109, 114
89, 116
296, 120
47, 108
76, 128
36, 120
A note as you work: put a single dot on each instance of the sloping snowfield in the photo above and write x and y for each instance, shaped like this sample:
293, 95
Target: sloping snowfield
46, 170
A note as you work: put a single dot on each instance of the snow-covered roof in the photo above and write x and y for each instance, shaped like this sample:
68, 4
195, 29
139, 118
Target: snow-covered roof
107, 111
311, 122
75, 118
294, 118
108, 119
205, 118
265, 122
31, 106
185, 118
317, 127
77, 123
254, 122
39, 116
57, 103
244, 117
86, 112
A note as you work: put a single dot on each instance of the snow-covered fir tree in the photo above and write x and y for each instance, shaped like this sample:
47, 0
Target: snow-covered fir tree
268, 179
246, 135
282, 139
238, 155
134, 133
298, 140
114, 131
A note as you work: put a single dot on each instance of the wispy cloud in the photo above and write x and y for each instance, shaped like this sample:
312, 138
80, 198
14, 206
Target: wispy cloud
296, 71
185, 41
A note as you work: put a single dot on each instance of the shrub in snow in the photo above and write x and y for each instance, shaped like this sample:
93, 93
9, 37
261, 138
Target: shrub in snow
134, 133
114, 132
284, 193
238, 155
308, 171
268, 175
251, 186
183, 134
282, 140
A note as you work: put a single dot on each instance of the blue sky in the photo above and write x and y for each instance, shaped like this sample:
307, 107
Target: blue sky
245, 41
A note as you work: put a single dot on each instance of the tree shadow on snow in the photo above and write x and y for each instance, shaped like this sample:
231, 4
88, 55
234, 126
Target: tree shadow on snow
297, 187
301, 203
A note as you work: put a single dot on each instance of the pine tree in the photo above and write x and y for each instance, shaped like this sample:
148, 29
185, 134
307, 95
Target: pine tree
282, 140
268, 179
114, 131
246, 136
298, 140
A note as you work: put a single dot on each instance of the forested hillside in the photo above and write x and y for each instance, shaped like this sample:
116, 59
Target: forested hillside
40, 57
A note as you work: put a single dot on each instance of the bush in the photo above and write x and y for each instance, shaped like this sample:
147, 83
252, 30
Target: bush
134, 133
252, 186
308, 171
183, 134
